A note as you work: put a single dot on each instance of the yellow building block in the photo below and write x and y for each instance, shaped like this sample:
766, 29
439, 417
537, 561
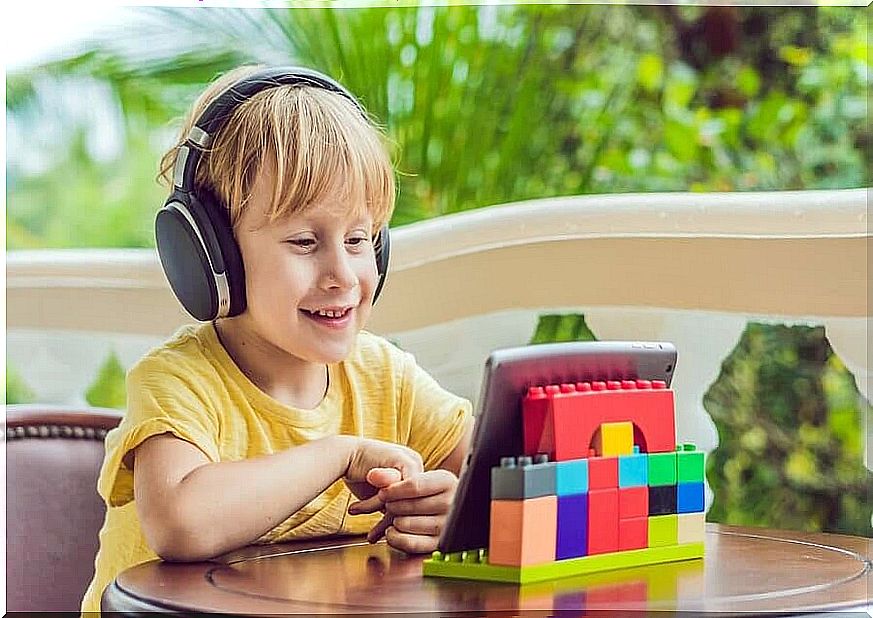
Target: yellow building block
614, 439
690, 527
663, 530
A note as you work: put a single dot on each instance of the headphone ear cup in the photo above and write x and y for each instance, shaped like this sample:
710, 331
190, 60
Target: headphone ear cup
184, 260
226, 247
383, 253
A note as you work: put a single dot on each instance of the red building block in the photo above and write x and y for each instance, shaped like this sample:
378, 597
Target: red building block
633, 533
562, 424
602, 521
602, 472
633, 502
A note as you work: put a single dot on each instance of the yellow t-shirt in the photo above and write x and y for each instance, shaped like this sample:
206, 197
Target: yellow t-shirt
191, 388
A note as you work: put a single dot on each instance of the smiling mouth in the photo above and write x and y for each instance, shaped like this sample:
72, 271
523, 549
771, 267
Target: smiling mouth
328, 313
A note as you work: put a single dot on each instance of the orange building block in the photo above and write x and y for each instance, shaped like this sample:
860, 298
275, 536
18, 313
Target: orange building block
523, 532
602, 521
562, 420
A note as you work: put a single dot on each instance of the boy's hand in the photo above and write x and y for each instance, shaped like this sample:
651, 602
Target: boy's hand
415, 510
374, 464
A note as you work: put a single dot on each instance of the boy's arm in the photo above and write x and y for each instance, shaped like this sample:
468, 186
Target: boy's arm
192, 509
454, 461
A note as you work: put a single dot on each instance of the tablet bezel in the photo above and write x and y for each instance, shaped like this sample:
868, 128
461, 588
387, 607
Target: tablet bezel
507, 376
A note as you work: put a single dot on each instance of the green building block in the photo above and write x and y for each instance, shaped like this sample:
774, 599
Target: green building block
474, 564
662, 469
663, 530
689, 464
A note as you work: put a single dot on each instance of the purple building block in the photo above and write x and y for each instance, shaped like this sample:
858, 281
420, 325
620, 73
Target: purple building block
572, 540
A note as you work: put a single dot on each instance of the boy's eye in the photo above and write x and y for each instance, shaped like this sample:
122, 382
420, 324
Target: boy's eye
305, 243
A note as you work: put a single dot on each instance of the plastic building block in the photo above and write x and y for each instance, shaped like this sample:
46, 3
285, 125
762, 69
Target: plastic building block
662, 468
562, 420
602, 521
535, 411
614, 439
475, 565
633, 502
691, 528
633, 533
663, 530
689, 464
522, 478
523, 532
602, 472
572, 538
633, 470
571, 477
689, 498
662, 500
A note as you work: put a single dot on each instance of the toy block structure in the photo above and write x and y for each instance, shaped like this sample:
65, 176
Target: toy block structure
601, 485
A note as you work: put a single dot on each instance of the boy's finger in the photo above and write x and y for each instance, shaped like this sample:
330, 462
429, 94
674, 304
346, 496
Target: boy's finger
419, 486
383, 477
378, 531
410, 543
427, 525
370, 505
431, 505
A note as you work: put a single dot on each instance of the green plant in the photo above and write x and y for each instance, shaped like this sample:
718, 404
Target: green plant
108, 389
17, 390
789, 421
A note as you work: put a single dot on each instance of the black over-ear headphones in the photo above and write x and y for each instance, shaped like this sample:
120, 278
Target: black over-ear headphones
195, 241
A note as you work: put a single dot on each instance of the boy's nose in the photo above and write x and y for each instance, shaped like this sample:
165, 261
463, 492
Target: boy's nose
340, 274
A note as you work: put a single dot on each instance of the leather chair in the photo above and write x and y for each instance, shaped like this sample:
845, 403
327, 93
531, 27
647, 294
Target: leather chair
53, 511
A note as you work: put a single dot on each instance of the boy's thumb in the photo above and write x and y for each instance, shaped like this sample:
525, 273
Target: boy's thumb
382, 477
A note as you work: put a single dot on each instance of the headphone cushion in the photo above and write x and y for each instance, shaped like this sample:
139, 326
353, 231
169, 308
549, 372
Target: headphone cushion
218, 223
185, 263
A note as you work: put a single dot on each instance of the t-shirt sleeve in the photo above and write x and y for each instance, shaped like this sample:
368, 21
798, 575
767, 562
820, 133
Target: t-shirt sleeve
160, 399
437, 418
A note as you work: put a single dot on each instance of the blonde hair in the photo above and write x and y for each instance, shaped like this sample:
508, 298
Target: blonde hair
317, 141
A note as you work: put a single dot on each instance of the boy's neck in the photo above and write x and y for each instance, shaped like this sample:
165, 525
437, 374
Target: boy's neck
292, 381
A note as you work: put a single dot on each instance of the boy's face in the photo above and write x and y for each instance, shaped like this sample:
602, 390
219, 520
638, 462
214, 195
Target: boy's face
310, 277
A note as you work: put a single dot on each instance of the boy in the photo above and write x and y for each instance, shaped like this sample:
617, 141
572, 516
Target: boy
261, 427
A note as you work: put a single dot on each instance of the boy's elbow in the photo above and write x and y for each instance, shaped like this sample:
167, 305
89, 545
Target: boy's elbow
176, 540
183, 546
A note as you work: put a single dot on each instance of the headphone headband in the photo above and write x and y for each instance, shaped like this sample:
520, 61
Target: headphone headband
219, 111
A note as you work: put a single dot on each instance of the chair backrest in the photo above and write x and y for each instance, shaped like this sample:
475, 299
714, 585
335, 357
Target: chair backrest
53, 457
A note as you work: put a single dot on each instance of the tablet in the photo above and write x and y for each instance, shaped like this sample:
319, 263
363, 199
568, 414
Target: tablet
499, 429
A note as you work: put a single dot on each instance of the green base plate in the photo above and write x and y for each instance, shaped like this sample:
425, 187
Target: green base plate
467, 565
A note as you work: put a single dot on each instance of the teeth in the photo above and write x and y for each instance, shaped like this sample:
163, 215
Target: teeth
330, 314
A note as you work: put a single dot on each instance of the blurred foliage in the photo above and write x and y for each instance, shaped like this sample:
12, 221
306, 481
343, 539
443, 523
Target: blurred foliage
789, 420
790, 451
486, 104
108, 389
17, 390
559, 327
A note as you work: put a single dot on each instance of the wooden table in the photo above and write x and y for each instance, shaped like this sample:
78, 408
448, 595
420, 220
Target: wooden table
745, 570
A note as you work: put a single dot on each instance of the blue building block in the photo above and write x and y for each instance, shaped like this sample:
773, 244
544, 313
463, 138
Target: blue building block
572, 538
522, 478
571, 477
689, 498
633, 470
